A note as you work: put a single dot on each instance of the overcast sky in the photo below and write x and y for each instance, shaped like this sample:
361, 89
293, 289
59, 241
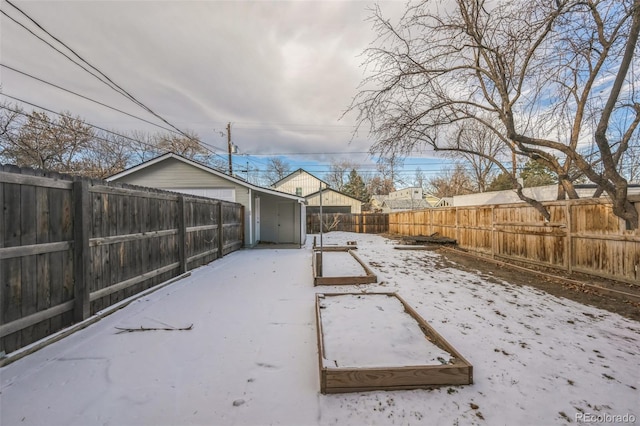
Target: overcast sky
281, 72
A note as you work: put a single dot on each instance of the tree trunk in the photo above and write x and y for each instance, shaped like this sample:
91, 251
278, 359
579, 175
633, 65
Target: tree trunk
535, 203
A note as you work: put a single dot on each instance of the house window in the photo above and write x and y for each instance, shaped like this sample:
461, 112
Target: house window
299, 192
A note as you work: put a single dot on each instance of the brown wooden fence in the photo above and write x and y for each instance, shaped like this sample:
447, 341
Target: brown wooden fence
72, 247
363, 223
582, 236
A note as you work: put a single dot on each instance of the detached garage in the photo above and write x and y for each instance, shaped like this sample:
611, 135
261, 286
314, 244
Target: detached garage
333, 202
269, 215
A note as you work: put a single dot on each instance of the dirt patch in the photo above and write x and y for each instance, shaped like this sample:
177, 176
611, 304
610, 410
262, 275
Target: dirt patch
556, 284
557, 287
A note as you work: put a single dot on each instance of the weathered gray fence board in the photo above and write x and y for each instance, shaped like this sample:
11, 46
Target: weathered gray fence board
363, 223
71, 248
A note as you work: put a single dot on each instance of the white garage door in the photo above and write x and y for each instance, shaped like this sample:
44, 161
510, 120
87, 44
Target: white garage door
226, 194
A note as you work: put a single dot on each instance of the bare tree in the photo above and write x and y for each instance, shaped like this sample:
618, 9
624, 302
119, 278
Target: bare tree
388, 166
419, 179
338, 174
379, 185
188, 145
46, 143
109, 154
471, 137
277, 168
550, 79
456, 181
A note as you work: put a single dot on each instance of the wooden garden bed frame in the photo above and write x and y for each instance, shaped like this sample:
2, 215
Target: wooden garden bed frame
318, 279
340, 380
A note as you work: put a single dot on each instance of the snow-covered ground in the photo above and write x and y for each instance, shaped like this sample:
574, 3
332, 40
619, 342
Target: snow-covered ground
251, 356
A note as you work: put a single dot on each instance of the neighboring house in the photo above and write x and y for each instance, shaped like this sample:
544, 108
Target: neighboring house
375, 202
411, 193
393, 205
332, 202
412, 198
300, 183
431, 199
269, 216
303, 183
444, 202
539, 193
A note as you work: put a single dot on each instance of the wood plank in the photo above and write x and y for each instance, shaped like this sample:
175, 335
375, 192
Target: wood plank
34, 249
11, 272
368, 278
120, 267
366, 268
81, 250
3, 208
152, 193
116, 239
182, 235
23, 179
344, 280
31, 320
56, 271
29, 281
220, 221
350, 379
132, 281
43, 264
419, 377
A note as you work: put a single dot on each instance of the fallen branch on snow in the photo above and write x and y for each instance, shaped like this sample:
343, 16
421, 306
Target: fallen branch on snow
131, 330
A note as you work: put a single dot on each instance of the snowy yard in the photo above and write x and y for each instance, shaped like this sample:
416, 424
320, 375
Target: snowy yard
251, 356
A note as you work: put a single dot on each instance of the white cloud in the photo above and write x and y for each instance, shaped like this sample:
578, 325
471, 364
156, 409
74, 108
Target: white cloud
291, 66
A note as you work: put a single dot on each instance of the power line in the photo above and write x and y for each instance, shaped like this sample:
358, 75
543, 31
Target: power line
84, 97
60, 115
118, 87
146, 144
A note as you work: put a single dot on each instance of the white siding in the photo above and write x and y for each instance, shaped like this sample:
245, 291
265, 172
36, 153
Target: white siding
410, 193
174, 175
226, 194
305, 182
333, 198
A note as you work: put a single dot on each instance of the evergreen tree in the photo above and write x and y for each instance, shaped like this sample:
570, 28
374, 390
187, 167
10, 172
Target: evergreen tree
501, 182
535, 173
356, 187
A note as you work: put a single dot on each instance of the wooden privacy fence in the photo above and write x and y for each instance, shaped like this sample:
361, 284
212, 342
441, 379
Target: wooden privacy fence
583, 235
72, 247
363, 223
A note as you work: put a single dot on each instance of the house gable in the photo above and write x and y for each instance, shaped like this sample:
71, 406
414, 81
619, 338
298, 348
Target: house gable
300, 183
333, 198
174, 173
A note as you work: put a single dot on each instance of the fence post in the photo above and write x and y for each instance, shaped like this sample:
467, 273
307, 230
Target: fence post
569, 237
494, 235
318, 262
81, 255
242, 223
220, 231
182, 234
457, 211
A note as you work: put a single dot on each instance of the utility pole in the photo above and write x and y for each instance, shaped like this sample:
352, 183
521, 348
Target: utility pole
229, 147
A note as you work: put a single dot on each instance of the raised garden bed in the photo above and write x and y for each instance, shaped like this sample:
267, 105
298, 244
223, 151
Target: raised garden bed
340, 267
376, 341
